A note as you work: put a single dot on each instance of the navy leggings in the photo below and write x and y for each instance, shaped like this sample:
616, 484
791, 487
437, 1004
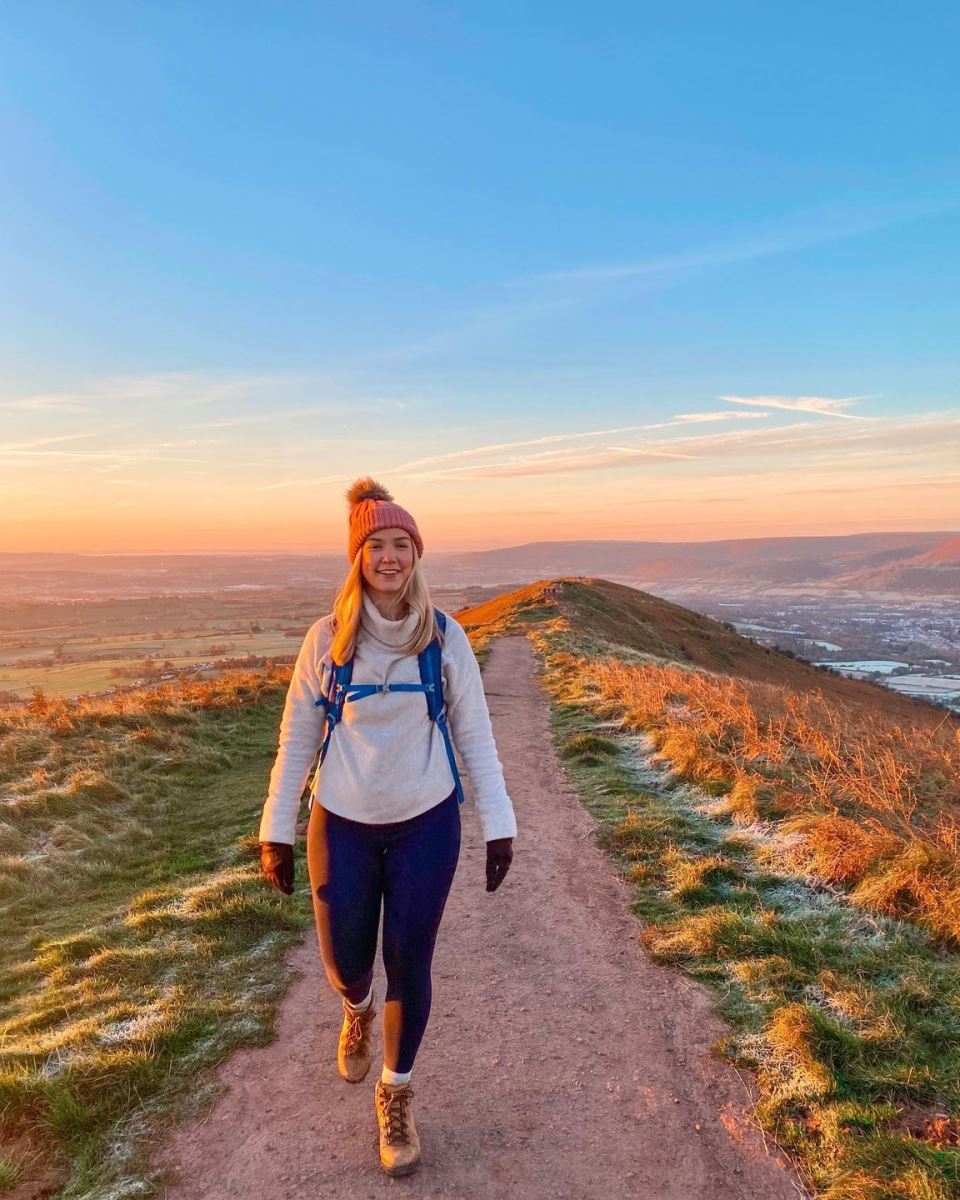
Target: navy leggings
408, 866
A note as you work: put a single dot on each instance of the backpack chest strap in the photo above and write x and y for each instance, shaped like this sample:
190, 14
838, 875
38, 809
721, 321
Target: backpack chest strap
342, 691
347, 693
357, 691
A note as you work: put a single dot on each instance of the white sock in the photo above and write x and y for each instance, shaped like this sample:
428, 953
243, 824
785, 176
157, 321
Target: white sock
394, 1077
364, 1004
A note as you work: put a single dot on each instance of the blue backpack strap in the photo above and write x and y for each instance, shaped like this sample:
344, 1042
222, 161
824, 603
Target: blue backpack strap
340, 691
332, 703
340, 677
432, 680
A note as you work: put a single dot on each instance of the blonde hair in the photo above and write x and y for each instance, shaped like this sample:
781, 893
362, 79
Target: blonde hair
348, 606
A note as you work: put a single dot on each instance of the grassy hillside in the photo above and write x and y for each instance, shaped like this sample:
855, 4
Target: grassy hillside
792, 837
138, 944
790, 834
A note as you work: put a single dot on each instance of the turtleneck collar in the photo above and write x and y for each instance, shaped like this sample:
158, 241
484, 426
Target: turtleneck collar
391, 633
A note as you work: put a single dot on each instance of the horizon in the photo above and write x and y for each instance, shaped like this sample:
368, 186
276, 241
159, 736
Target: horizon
672, 275
256, 553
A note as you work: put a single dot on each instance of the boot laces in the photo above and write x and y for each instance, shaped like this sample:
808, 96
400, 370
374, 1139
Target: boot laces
393, 1108
355, 1030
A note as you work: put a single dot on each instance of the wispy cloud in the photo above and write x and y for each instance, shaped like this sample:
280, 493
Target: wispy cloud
556, 438
6, 447
566, 454
935, 431
553, 294
793, 233
44, 404
922, 484
185, 389
315, 482
454, 456
690, 418
559, 462
332, 409
189, 443
887, 444
14, 457
827, 406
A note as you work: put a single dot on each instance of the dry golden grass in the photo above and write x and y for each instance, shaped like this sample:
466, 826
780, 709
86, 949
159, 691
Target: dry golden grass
761, 808
59, 715
872, 803
510, 613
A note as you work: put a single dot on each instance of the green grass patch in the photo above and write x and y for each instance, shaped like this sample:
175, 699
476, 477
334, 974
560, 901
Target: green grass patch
589, 749
140, 944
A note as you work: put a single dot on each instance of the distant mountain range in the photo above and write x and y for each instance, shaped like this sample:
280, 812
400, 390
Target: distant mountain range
926, 564
914, 564
936, 570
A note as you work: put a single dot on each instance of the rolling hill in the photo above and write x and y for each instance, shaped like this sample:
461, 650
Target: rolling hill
935, 571
790, 837
919, 563
609, 615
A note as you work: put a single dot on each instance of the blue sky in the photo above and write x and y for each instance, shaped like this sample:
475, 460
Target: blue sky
253, 250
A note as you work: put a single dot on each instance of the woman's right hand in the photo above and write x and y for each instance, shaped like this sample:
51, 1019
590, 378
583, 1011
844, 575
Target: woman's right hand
276, 865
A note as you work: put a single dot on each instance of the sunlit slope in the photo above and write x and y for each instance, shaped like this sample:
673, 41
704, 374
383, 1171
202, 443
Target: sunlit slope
791, 837
863, 782
600, 617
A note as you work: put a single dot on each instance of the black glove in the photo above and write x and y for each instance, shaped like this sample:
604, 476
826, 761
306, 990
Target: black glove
499, 858
276, 865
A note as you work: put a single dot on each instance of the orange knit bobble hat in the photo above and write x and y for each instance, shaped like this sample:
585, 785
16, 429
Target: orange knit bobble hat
371, 508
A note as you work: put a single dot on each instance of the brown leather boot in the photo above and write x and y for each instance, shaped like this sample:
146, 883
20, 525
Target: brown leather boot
399, 1140
353, 1049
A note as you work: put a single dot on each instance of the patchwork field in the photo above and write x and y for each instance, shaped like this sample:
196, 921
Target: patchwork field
92, 647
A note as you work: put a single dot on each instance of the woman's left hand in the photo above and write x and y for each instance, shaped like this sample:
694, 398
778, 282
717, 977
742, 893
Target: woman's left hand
499, 858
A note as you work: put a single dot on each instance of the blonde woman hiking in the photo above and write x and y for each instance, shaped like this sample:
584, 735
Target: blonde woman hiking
379, 686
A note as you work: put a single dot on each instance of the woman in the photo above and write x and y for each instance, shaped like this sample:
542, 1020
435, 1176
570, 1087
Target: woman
384, 824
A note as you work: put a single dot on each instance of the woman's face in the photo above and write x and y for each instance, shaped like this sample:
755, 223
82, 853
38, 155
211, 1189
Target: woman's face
386, 561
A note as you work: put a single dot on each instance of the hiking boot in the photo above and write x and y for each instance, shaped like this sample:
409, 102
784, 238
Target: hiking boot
353, 1049
399, 1140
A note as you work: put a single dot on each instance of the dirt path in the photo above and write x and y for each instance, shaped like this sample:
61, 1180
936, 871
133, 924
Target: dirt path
559, 1063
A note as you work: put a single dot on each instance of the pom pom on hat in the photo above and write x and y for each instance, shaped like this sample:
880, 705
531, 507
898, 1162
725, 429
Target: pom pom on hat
372, 508
366, 489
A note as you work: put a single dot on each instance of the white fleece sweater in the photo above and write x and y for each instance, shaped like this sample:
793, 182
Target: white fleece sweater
386, 760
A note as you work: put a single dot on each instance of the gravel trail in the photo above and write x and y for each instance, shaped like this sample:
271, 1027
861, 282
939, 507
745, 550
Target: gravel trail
559, 1062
